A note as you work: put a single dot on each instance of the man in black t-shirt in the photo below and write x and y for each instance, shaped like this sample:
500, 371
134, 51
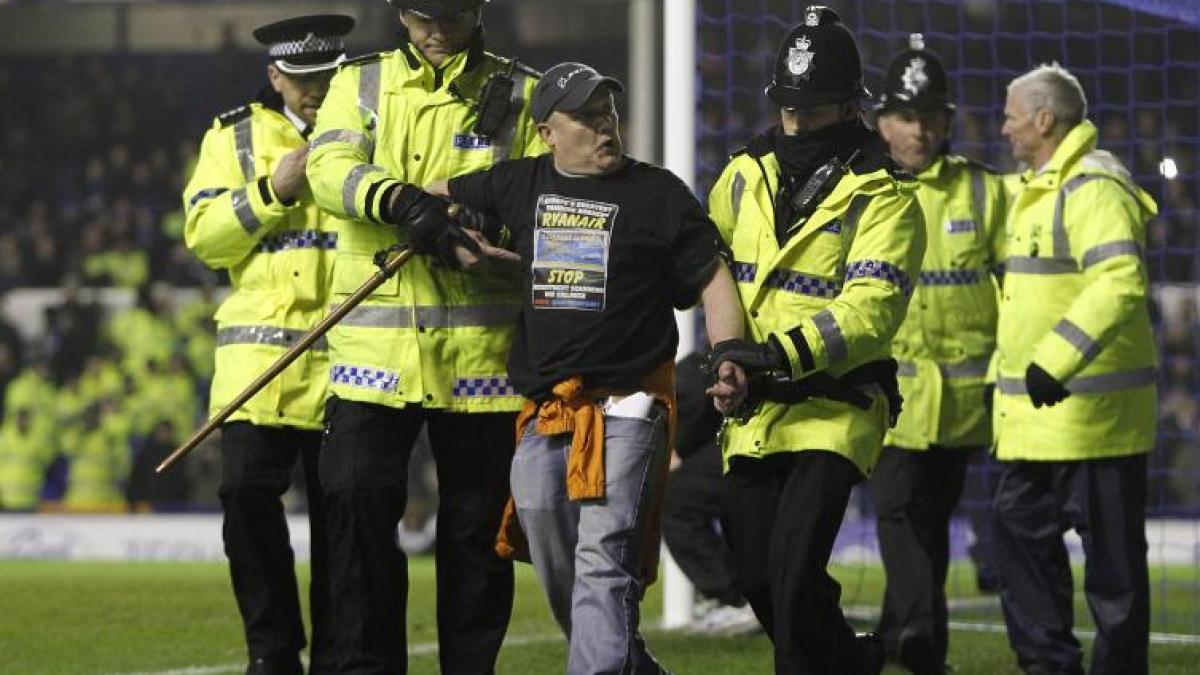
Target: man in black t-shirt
609, 246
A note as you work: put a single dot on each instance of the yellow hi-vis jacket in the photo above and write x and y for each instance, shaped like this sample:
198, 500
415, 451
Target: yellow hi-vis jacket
843, 281
280, 261
946, 342
429, 336
1074, 302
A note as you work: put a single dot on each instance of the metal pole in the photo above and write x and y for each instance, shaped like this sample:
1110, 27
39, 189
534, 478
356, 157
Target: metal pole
643, 71
679, 149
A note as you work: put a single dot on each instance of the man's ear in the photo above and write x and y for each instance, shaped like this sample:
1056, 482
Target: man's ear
273, 75
1044, 120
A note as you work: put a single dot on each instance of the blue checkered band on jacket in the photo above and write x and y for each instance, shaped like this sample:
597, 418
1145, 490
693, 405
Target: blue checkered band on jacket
361, 376
483, 386
281, 241
957, 226
744, 272
804, 284
956, 277
879, 269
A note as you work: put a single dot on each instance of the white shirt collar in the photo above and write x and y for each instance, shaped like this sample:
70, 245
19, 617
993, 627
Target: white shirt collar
300, 124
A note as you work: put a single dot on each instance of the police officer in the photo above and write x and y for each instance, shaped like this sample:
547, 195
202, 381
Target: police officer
943, 347
826, 237
249, 210
1076, 404
429, 346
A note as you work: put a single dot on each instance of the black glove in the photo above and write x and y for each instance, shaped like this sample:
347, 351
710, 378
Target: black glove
431, 230
753, 357
1043, 389
486, 223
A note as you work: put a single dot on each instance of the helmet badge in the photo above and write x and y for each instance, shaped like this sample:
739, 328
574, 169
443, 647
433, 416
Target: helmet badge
812, 19
799, 57
311, 43
914, 77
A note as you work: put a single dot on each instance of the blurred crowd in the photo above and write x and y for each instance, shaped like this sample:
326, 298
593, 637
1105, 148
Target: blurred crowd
90, 197
101, 399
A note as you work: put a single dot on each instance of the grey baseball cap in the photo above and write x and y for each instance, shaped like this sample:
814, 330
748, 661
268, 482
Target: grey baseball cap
566, 87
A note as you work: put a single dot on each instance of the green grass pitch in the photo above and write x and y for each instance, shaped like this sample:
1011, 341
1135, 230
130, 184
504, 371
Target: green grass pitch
180, 619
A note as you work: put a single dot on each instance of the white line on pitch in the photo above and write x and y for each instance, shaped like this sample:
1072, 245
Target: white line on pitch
419, 649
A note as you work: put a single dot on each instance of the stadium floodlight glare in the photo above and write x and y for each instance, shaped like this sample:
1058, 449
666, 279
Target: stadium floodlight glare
1168, 169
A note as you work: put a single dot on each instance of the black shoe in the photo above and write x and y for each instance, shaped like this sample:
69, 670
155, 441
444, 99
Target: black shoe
916, 654
275, 667
870, 649
986, 581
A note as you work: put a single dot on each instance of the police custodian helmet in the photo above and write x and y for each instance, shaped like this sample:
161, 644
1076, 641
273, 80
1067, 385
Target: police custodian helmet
437, 9
818, 63
916, 79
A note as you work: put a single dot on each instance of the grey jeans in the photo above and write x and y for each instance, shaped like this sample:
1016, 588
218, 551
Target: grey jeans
587, 553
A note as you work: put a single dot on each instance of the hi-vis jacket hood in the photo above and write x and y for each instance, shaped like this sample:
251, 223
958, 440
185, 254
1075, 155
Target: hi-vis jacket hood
842, 281
428, 336
280, 261
1074, 302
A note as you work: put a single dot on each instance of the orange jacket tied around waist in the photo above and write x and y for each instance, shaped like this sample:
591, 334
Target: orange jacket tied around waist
578, 411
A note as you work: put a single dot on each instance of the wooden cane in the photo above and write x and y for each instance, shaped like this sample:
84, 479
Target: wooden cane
386, 270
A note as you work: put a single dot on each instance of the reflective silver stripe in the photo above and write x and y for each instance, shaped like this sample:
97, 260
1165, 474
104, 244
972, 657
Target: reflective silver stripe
735, 194
502, 143
831, 333
1062, 246
857, 205
265, 335
375, 316
1080, 340
1091, 384
243, 210
368, 89
350, 187
978, 199
361, 141
243, 147
1097, 254
1024, 265
968, 368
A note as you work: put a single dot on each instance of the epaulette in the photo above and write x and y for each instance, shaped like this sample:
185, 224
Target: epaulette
517, 65
362, 59
760, 146
979, 165
234, 116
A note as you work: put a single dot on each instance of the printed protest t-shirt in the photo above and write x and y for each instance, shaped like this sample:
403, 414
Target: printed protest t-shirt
605, 261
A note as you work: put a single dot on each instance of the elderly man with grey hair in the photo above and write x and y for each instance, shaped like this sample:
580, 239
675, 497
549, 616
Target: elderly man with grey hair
1076, 397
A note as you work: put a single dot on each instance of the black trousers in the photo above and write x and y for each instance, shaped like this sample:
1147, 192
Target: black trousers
691, 513
979, 488
915, 494
781, 516
364, 470
1104, 500
257, 463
